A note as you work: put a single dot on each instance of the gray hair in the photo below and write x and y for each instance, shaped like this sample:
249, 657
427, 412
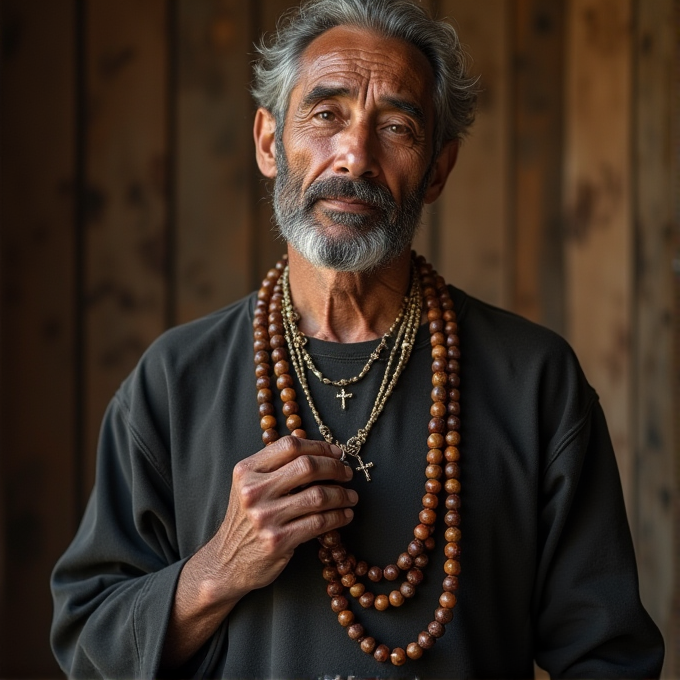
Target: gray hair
455, 94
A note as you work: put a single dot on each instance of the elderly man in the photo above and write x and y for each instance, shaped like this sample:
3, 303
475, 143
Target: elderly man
407, 426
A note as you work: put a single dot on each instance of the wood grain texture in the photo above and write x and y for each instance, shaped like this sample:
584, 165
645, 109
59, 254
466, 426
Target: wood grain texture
537, 168
654, 236
598, 209
215, 159
474, 211
126, 239
37, 311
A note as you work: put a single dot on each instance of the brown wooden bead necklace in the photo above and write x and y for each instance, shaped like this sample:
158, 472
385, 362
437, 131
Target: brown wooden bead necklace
341, 569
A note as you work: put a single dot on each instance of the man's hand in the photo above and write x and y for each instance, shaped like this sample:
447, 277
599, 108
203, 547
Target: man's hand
282, 496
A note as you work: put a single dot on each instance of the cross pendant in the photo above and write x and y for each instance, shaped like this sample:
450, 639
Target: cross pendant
343, 395
364, 467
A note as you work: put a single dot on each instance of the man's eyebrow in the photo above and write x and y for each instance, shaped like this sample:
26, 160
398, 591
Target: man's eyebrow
407, 107
320, 92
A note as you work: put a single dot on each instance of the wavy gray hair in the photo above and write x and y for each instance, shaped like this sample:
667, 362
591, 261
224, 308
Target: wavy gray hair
455, 93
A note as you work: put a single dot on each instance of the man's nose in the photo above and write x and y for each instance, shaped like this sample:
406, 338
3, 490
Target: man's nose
354, 153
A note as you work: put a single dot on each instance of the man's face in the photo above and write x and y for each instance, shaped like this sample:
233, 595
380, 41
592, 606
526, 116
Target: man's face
353, 161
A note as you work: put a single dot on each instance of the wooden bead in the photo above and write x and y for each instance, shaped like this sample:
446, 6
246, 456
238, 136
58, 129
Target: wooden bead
435, 456
429, 543
361, 569
452, 551
453, 422
293, 422
266, 409
345, 618
339, 604
281, 367
334, 588
325, 555
263, 382
381, 602
435, 339
427, 516
348, 580
300, 434
439, 352
451, 470
438, 409
438, 394
453, 366
443, 615
450, 327
262, 369
440, 378
398, 656
433, 485
452, 485
436, 426
434, 471
425, 640
452, 518
260, 333
264, 396
396, 598
268, 422
279, 354
366, 600
288, 394
355, 631
437, 325
447, 600
407, 589
416, 547
289, 408
452, 438
431, 501
330, 573
434, 441
452, 454
435, 629
452, 535
357, 590
382, 653
391, 572
434, 314
452, 501
277, 328
367, 645
450, 584
421, 561
414, 651
404, 561
331, 539
453, 381
269, 436
277, 341
452, 340
452, 567
415, 576
343, 567
262, 357
283, 381
375, 574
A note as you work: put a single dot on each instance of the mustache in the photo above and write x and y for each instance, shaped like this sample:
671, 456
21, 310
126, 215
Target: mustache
367, 192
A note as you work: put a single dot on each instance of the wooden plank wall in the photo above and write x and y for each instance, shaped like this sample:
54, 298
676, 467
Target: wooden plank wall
130, 202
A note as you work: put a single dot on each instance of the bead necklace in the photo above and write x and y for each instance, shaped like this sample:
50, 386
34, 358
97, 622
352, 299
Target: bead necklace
341, 569
404, 342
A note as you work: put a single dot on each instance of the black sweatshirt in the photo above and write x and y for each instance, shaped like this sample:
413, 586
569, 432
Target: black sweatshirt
548, 570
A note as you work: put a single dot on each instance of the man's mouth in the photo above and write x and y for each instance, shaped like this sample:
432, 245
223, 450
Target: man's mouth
353, 205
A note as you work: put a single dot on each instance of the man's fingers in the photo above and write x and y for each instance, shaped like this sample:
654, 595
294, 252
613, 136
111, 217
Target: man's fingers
310, 526
289, 448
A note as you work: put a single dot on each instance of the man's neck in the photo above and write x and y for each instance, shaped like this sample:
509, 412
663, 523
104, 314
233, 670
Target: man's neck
347, 306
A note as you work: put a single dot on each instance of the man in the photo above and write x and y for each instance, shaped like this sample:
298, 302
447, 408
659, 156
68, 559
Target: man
197, 553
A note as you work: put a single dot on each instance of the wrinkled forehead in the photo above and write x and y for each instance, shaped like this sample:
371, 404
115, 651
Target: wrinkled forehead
367, 65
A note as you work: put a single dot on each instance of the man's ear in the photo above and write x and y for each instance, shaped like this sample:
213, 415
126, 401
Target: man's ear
442, 167
264, 132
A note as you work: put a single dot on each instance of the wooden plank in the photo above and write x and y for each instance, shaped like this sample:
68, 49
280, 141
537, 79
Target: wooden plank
215, 161
538, 119
125, 245
654, 225
37, 311
475, 210
598, 208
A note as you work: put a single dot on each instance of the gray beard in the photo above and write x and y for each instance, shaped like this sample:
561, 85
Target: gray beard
373, 240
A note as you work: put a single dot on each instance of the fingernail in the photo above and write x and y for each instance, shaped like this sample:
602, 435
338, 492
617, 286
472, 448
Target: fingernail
349, 513
336, 450
353, 495
348, 472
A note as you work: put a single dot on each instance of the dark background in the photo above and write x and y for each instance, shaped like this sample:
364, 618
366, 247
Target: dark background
130, 201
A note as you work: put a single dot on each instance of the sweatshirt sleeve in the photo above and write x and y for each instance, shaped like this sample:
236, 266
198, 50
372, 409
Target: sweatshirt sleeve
113, 589
589, 621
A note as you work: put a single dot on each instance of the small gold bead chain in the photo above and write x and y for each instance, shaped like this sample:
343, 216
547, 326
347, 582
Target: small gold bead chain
403, 345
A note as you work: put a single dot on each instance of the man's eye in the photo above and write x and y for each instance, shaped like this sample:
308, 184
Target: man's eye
327, 116
398, 129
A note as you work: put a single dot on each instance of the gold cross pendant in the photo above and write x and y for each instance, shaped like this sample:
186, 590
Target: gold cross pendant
343, 395
364, 467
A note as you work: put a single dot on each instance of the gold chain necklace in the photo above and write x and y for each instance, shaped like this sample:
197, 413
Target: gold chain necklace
403, 345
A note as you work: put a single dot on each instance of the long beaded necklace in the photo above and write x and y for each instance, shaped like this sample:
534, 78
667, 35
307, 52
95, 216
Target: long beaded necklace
341, 569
